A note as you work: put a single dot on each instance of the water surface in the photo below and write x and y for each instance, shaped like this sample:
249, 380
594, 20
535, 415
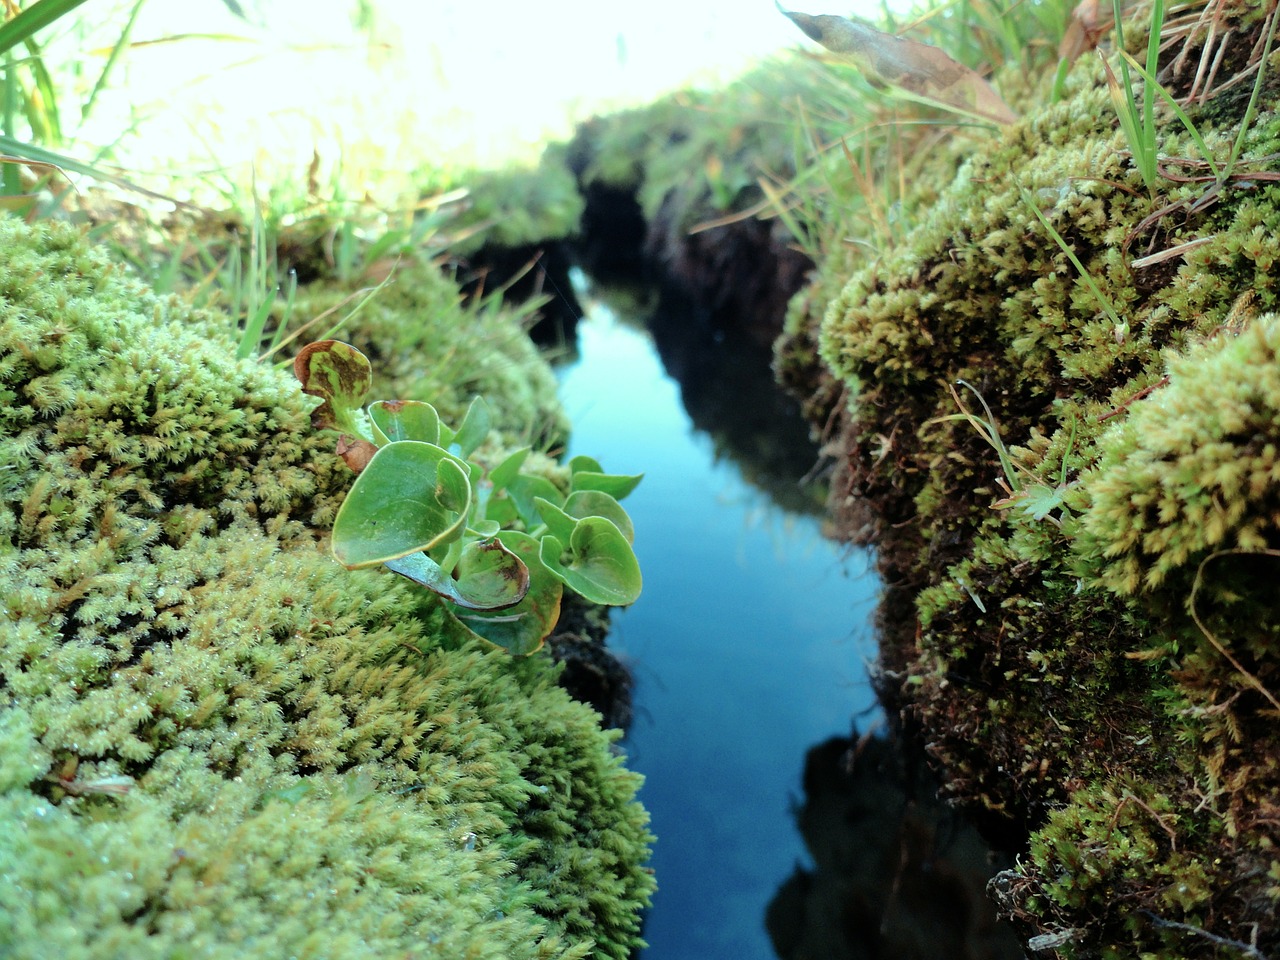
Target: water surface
749, 645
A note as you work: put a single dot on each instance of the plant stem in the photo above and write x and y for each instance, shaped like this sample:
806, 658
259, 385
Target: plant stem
1084, 274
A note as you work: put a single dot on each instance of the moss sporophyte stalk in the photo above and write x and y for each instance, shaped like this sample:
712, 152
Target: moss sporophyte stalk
498, 545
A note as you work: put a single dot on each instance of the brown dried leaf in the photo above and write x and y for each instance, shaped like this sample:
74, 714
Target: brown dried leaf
356, 453
921, 71
1090, 20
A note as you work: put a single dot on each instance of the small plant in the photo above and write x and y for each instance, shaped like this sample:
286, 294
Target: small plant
1033, 497
1139, 124
497, 544
1122, 328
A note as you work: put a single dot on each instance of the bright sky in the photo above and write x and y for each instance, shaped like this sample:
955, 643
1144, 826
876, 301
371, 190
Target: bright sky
458, 79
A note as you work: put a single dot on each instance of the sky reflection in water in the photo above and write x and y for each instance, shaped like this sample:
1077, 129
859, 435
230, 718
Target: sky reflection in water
748, 645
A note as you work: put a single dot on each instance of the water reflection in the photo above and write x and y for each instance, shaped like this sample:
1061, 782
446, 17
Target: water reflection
896, 873
727, 389
750, 644
746, 646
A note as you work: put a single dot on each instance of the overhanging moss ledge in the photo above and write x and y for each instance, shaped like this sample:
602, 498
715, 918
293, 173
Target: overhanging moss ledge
1083, 637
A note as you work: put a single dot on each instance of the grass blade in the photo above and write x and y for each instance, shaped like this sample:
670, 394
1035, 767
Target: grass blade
33, 19
1130, 123
42, 99
1149, 86
1180, 114
122, 42
21, 150
1138, 127
10, 178
1252, 110
1084, 274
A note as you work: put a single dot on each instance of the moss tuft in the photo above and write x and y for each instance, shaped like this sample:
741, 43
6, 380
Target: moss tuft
216, 742
1089, 643
1194, 469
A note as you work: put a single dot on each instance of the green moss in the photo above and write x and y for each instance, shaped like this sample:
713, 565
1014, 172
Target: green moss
519, 206
1194, 469
1092, 651
696, 155
425, 343
1113, 837
214, 741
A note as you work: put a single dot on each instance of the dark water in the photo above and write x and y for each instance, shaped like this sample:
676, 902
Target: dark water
749, 645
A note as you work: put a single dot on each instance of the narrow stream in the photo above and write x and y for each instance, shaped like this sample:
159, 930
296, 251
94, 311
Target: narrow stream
749, 646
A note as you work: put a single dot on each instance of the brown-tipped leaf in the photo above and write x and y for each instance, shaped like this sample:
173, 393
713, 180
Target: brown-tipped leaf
920, 70
520, 629
340, 375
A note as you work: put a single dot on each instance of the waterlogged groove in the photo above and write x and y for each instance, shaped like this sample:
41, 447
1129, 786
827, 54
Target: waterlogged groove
749, 645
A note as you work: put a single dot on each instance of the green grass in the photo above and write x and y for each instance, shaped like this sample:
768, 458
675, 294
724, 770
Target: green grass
1085, 277
1138, 122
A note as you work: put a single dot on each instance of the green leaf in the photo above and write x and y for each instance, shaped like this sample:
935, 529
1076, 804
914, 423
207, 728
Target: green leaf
580, 463
504, 473
593, 503
35, 17
522, 628
491, 576
562, 521
559, 523
484, 528
601, 565
526, 488
1040, 500
488, 576
501, 510
404, 420
412, 496
616, 485
340, 375
474, 428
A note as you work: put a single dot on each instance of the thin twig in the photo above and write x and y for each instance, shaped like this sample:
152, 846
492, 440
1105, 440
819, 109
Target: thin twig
1248, 949
1135, 398
1217, 644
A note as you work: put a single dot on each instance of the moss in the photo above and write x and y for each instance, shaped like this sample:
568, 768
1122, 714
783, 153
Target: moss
216, 742
1195, 469
425, 343
696, 155
1091, 649
518, 206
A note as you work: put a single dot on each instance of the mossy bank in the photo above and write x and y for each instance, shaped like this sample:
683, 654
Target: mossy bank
1075, 498
1051, 392
216, 742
